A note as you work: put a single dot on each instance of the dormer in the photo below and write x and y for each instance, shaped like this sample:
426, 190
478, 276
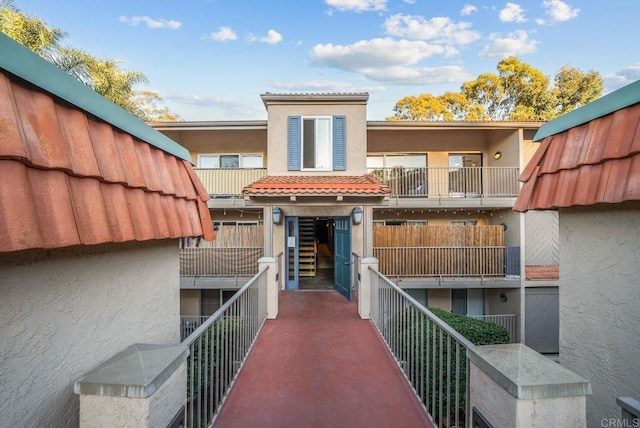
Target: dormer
316, 134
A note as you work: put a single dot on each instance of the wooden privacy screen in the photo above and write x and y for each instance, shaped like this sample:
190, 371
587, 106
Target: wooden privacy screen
440, 251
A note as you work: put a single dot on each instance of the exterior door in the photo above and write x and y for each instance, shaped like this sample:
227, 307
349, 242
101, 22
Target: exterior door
291, 252
342, 256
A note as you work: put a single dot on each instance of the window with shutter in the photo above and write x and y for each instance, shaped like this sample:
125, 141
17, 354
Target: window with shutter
316, 143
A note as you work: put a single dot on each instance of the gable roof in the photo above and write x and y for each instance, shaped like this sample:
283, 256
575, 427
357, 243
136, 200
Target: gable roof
68, 176
333, 185
588, 163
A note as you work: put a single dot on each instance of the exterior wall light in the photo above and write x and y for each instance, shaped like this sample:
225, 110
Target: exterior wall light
276, 213
497, 155
356, 215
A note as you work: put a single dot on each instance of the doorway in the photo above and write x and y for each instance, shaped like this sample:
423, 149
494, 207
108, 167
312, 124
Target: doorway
318, 253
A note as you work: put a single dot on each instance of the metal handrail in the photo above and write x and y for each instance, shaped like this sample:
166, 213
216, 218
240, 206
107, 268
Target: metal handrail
219, 347
431, 354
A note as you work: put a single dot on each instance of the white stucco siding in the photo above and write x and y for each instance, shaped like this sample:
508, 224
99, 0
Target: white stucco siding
62, 312
600, 303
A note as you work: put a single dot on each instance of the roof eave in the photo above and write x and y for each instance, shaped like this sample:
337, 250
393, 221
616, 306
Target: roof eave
26, 65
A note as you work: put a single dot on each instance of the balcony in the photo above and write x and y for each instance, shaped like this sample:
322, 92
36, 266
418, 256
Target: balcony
445, 182
228, 182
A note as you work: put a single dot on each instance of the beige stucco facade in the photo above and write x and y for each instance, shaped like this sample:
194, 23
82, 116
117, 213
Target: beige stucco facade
352, 107
600, 301
65, 311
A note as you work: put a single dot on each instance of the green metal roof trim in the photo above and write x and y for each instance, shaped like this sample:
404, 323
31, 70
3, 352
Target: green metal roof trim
616, 100
21, 62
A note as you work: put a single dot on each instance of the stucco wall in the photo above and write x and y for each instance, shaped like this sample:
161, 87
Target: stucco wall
355, 133
190, 302
439, 298
63, 312
600, 303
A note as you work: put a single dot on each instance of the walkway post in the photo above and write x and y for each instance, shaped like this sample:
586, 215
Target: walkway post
364, 291
272, 285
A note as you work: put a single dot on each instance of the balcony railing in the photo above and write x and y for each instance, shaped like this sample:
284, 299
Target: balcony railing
228, 181
508, 321
219, 262
443, 182
446, 262
432, 355
189, 324
219, 347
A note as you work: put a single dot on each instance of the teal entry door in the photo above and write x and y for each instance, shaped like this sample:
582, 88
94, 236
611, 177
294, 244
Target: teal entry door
342, 256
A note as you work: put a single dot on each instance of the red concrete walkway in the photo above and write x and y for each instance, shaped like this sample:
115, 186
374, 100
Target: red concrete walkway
320, 365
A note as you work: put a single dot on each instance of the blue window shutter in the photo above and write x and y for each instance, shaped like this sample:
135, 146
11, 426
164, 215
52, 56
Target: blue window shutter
294, 141
339, 143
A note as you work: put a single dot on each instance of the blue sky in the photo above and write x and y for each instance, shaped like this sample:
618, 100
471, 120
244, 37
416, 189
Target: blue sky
211, 59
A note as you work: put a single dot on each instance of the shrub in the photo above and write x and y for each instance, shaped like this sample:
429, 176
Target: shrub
476, 331
439, 366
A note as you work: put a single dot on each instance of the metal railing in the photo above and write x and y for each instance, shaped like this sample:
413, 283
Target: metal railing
219, 347
508, 321
432, 355
355, 279
228, 181
220, 262
445, 182
189, 324
444, 262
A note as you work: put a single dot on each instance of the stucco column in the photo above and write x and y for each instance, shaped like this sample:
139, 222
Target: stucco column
364, 292
272, 285
514, 386
143, 386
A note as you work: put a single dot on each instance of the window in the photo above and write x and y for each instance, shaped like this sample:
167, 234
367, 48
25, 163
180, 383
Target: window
406, 160
463, 222
230, 161
317, 147
316, 143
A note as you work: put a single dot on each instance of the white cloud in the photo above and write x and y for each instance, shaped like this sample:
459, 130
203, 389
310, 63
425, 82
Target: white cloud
198, 107
621, 78
512, 13
224, 34
151, 23
559, 11
374, 53
439, 29
468, 9
418, 75
272, 37
388, 60
314, 86
516, 43
358, 5
410, 1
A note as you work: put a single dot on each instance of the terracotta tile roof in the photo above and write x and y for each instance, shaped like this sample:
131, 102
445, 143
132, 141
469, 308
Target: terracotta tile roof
68, 178
597, 162
311, 185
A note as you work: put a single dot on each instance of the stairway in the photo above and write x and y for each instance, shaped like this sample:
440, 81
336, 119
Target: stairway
307, 247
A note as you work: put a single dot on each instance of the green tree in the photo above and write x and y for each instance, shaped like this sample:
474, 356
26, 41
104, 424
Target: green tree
517, 92
153, 110
104, 75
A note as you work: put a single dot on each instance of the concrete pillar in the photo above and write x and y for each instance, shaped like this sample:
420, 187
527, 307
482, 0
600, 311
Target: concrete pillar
514, 386
272, 285
364, 291
142, 386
